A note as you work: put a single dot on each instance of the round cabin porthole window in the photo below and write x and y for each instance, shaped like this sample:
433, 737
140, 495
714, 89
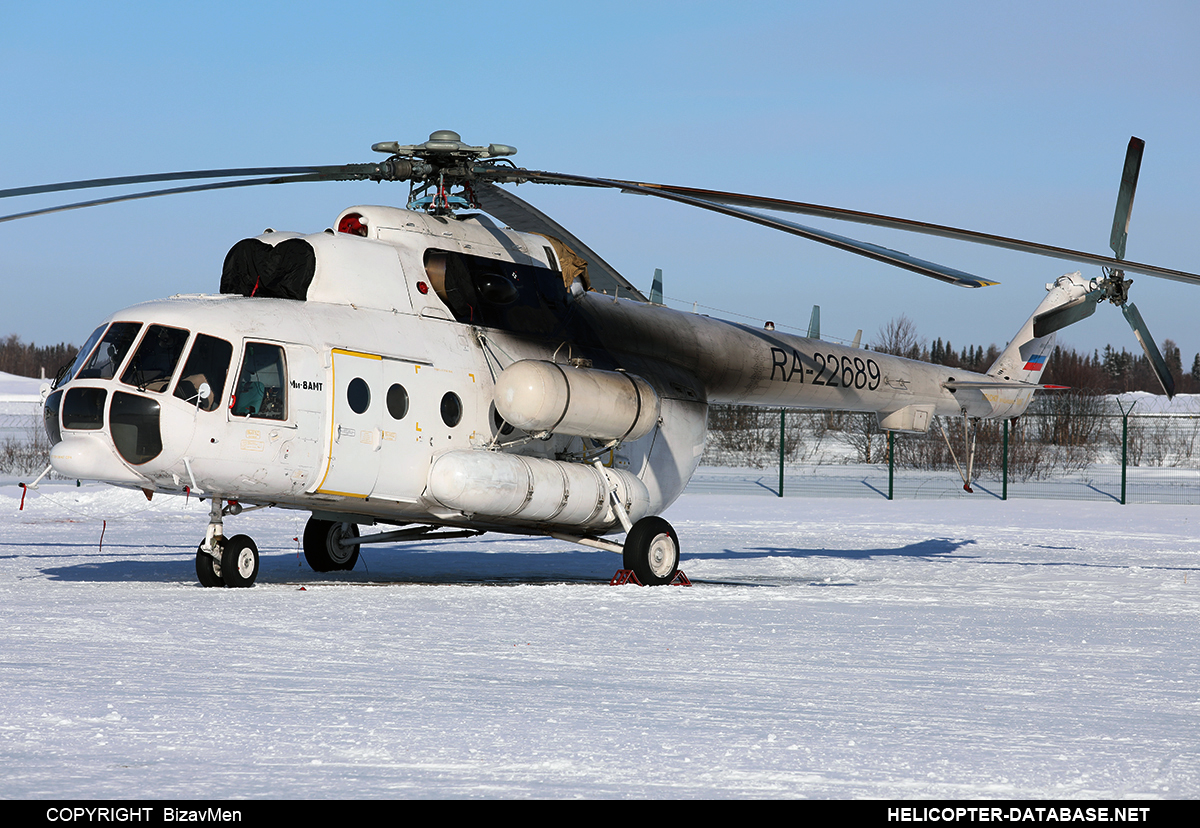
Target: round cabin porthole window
358, 395
451, 409
397, 401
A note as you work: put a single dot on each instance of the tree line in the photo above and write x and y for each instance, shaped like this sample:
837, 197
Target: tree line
32, 360
1101, 372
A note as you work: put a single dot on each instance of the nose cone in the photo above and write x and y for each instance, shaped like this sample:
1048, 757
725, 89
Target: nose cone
87, 457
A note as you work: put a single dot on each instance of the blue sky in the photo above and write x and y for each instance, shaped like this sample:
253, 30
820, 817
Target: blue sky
1010, 118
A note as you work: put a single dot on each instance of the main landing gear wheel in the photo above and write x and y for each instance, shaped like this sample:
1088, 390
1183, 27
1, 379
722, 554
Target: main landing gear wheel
323, 547
239, 562
208, 571
652, 551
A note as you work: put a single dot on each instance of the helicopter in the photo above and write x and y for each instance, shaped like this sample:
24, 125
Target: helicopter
466, 365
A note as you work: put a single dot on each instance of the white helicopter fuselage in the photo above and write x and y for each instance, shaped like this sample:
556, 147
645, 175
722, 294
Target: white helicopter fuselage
379, 396
451, 376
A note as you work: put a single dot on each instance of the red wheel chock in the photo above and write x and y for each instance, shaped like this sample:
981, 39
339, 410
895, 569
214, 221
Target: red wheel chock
627, 576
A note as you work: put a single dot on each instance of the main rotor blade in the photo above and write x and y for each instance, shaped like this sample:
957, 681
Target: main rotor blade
870, 251
879, 220
521, 215
1129, 177
353, 170
1152, 353
220, 185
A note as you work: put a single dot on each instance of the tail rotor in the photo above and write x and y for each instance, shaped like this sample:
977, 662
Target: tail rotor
1114, 287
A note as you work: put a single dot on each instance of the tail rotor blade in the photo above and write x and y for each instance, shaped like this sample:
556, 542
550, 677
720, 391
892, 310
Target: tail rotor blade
1129, 177
1152, 353
1116, 287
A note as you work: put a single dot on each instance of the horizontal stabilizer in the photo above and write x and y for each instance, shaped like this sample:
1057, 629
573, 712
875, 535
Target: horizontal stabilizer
954, 385
1068, 314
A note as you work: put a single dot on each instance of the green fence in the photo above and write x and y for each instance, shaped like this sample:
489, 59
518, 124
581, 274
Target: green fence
1132, 448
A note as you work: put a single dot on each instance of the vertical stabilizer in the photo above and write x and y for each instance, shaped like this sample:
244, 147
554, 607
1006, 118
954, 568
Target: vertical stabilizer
656, 297
1026, 355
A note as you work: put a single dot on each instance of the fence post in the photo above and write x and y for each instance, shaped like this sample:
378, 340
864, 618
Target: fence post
891, 461
1124, 442
1004, 465
781, 413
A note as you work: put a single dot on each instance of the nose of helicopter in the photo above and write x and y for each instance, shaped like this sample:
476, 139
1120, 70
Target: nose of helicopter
90, 457
98, 433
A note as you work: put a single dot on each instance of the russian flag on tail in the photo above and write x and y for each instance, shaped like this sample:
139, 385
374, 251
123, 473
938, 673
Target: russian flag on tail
1036, 363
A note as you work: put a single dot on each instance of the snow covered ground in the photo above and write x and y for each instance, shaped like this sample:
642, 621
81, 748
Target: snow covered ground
830, 648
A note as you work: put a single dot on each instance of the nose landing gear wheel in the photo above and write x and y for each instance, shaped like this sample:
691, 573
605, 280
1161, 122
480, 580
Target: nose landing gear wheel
239, 562
208, 571
652, 551
323, 547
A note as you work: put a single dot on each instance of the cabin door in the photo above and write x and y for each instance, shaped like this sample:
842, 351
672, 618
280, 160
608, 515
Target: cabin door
355, 433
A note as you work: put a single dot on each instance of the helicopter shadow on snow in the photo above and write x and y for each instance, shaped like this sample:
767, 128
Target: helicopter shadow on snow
497, 561
934, 548
440, 563
93, 563
79, 550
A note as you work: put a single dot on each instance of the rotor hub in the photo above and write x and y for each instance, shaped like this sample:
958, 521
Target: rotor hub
1115, 286
441, 169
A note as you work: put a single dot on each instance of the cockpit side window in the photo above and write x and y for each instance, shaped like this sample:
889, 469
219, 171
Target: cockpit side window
154, 361
81, 357
207, 364
111, 353
262, 383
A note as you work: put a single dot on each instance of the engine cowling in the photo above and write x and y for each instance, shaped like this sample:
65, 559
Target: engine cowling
536, 396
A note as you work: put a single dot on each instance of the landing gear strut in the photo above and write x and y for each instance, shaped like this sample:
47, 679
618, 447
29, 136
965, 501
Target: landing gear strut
225, 562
